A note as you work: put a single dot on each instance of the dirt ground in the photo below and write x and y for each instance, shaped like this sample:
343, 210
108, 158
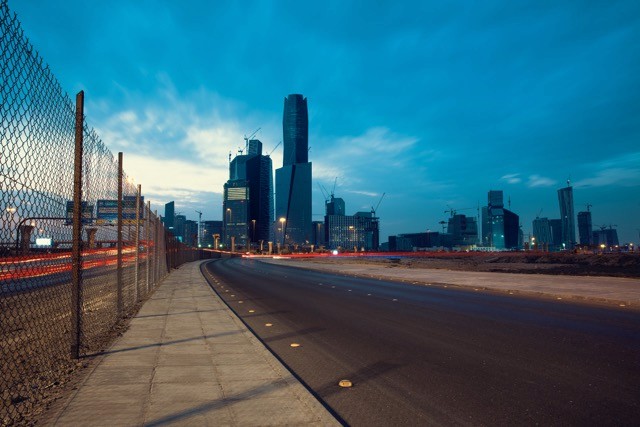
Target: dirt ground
607, 264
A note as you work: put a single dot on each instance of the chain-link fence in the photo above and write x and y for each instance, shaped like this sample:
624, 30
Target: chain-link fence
79, 248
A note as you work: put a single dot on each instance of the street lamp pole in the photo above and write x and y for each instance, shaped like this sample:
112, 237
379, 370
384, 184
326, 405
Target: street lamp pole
282, 223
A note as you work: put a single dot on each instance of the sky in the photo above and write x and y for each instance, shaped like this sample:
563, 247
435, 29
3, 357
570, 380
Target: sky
432, 104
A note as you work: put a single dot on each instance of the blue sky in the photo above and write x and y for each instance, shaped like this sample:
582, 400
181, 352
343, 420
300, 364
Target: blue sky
432, 103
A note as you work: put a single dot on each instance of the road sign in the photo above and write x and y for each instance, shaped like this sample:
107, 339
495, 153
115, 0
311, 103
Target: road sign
87, 213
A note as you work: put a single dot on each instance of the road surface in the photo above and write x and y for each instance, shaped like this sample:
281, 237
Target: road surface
430, 355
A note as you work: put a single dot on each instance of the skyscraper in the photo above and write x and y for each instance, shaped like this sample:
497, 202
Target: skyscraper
169, 215
585, 228
293, 179
248, 200
542, 233
295, 130
565, 200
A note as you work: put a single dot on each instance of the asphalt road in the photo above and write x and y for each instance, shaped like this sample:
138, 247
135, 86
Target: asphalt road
430, 355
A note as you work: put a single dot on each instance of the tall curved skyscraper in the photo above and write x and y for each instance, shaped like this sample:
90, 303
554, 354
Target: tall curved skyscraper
293, 179
295, 130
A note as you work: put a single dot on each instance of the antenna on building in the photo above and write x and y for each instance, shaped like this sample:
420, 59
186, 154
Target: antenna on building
589, 205
229, 156
569, 182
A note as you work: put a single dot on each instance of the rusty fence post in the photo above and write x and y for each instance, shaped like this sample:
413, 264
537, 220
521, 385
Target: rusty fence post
119, 264
137, 242
156, 259
76, 249
146, 238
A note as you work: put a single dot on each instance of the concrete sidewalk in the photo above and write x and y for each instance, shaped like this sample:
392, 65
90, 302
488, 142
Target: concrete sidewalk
186, 359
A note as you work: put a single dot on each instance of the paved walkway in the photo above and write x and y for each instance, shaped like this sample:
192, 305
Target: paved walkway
613, 290
186, 359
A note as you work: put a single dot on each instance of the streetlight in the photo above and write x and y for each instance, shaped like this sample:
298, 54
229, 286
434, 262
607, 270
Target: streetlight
253, 234
282, 222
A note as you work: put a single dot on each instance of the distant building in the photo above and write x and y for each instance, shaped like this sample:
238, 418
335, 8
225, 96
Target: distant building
169, 215
500, 226
191, 233
235, 207
318, 234
542, 233
463, 230
607, 237
585, 228
209, 229
511, 230
565, 200
335, 206
419, 241
261, 209
556, 234
359, 231
248, 201
179, 227
293, 179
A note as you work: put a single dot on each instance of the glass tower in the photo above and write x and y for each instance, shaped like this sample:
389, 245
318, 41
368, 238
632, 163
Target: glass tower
293, 179
565, 199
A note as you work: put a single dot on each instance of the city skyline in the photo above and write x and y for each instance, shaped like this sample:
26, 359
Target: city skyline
434, 108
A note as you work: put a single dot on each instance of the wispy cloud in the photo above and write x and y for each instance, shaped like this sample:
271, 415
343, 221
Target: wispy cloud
512, 178
363, 193
614, 176
540, 181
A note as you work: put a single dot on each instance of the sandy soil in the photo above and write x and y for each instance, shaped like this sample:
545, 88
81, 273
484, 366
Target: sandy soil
608, 264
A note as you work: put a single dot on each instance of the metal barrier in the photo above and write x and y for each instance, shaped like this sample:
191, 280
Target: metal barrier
79, 248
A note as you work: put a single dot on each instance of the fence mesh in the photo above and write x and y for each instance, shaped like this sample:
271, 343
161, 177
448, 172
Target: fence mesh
37, 134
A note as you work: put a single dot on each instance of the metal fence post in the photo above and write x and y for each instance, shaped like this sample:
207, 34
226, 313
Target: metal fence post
147, 235
137, 241
76, 250
119, 265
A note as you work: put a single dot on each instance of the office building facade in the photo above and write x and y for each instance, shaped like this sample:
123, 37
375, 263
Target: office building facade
463, 230
235, 207
169, 215
248, 203
541, 234
585, 228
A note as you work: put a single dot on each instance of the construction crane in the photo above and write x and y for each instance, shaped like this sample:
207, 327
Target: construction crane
274, 148
247, 138
455, 211
539, 213
442, 223
199, 226
373, 210
324, 192
333, 190
604, 226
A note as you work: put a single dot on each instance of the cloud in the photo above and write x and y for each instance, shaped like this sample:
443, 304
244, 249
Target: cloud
379, 140
540, 181
512, 178
613, 176
363, 193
